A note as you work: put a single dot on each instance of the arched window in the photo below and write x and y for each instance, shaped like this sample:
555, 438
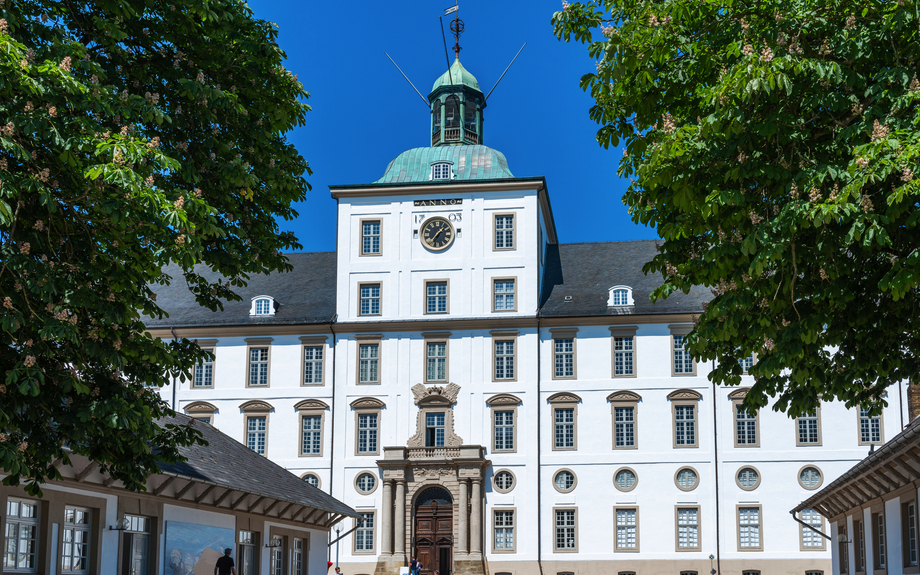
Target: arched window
452, 113
469, 115
262, 305
620, 296
436, 111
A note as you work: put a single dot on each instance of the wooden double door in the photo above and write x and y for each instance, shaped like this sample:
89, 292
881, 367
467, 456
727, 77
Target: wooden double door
434, 538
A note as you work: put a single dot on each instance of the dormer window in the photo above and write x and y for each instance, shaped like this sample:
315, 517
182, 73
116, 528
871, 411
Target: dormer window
441, 171
620, 296
262, 305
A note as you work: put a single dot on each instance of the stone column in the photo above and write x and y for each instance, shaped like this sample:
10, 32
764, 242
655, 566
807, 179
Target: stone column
399, 527
386, 525
476, 518
463, 512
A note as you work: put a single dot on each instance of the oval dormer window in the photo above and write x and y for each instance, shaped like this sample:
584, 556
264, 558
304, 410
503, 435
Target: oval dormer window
262, 305
620, 296
441, 171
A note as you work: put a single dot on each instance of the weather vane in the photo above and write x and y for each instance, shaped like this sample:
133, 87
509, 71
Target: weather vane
456, 26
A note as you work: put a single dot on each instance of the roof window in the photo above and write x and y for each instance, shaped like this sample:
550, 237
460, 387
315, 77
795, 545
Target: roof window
619, 296
441, 171
262, 305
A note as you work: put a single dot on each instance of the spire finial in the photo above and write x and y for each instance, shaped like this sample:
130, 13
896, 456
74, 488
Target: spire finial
456, 26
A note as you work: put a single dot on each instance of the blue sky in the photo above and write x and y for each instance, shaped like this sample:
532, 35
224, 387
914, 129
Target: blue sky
365, 113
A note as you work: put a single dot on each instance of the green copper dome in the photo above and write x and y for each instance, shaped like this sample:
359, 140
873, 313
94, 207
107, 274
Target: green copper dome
469, 163
460, 77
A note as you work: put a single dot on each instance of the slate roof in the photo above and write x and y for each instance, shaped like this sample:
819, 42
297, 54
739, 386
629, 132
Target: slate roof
304, 295
470, 163
228, 463
586, 271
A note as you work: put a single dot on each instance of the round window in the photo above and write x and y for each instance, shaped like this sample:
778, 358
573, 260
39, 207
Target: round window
625, 479
504, 481
564, 480
748, 478
366, 482
687, 479
810, 477
311, 479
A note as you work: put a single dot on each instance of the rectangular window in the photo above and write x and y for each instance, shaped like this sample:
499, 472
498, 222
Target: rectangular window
810, 539
204, 372
749, 528
364, 534
685, 425
434, 429
745, 427
564, 357
627, 538
842, 542
909, 533
370, 238
624, 426
623, 356
503, 530
566, 533
313, 365
369, 299
878, 521
21, 538
436, 358
504, 232
870, 427
503, 295
369, 363
808, 433
504, 431
75, 552
277, 557
688, 528
859, 546
249, 552
746, 363
504, 359
255, 433
564, 435
436, 297
297, 557
367, 433
683, 363
312, 435
258, 366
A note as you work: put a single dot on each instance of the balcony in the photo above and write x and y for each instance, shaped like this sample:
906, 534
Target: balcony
467, 452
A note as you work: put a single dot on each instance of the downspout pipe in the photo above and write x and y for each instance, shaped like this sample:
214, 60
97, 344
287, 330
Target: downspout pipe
172, 330
539, 459
715, 439
799, 521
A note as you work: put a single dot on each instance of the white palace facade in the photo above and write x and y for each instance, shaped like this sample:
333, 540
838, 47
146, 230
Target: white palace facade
493, 401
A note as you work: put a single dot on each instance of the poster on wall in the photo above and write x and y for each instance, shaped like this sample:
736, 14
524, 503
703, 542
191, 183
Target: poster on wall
194, 549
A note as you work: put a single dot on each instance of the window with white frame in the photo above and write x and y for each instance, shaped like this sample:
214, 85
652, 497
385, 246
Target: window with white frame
860, 545
749, 528
746, 572
811, 539
685, 425
683, 363
624, 426
436, 297
564, 357
366, 483
748, 478
619, 296
441, 171
263, 306
504, 359
75, 554
627, 534
565, 539
686, 479
22, 535
504, 481
564, 423
688, 528
136, 542
503, 295
564, 481
369, 363
870, 427
204, 371
436, 358
367, 433
807, 425
277, 556
370, 238
745, 426
256, 429
879, 539
312, 479
434, 429
249, 556
258, 366
364, 534
747, 363
504, 430
625, 479
297, 557
503, 529
814, 573
810, 477
504, 232
623, 355
311, 440
909, 533
313, 365
369, 299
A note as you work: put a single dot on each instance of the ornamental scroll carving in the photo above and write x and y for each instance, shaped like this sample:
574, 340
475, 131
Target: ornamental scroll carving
435, 399
309, 404
367, 403
684, 394
563, 397
436, 394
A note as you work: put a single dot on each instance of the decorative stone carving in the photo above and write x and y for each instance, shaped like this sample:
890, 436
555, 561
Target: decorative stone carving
563, 397
503, 399
739, 393
200, 407
256, 405
367, 402
684, 394
446, 395
624, 396
311, 404
423, 471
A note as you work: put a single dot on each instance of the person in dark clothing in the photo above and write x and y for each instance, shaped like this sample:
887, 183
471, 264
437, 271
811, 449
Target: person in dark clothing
225, 565
415, 566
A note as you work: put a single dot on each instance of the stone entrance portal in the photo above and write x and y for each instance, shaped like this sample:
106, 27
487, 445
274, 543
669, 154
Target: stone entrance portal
434, 531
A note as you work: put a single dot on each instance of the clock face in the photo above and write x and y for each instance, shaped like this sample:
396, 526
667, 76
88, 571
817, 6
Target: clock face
437, 234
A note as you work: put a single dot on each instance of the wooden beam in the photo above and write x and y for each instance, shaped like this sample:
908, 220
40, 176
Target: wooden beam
851, 503
283, 511
185, 489
332, 520
294, 516
309, 518
891, 468
235, 505
858, 496
205, 493
161, 487
270, 507
108, 481
223, 496
908, 464
86, 471
254, 505
869, 488
862, 490
888, 485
